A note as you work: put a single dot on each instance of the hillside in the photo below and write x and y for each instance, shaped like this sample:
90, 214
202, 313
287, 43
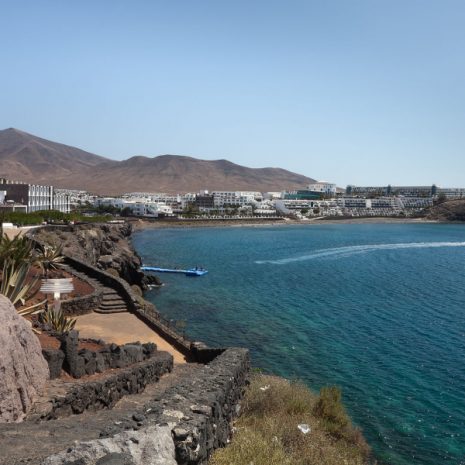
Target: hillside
32, 159
453, 210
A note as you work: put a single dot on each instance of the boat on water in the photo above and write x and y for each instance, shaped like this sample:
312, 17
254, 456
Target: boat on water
189, 272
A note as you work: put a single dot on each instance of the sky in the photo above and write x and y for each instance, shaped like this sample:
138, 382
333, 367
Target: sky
367, 92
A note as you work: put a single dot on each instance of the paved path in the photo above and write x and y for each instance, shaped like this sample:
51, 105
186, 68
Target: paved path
122, 328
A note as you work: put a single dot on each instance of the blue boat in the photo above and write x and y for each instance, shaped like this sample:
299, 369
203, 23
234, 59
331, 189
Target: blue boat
190, 272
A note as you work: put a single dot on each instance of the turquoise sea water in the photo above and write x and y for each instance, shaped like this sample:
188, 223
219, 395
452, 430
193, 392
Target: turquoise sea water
376, 309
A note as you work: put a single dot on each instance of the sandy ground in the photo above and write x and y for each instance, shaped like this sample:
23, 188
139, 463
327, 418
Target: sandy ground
13, 232
122, 328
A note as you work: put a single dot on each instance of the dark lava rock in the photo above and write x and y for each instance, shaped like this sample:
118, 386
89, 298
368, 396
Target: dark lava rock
55, 358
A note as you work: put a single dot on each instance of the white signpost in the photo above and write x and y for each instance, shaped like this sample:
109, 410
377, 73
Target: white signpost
57, 287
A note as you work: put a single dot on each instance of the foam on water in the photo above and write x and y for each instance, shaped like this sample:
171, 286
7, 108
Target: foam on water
342, 252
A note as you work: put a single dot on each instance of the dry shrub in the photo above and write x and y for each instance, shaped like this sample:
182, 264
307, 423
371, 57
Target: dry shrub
330, 409
268, 428
251, 447
113, 272
137, 290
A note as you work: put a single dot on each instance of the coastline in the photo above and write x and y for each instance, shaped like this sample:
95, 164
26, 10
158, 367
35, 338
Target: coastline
142, 224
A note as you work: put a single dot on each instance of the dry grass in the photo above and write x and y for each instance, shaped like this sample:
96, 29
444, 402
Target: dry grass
267, 433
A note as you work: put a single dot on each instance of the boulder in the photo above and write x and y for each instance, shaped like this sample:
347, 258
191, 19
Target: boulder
24, 370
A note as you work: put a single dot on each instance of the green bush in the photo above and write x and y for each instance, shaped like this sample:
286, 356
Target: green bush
51, 216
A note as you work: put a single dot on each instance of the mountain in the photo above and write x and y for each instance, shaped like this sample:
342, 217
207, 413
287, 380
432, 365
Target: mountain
29, 158
25, 157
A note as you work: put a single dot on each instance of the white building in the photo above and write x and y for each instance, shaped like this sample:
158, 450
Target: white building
35, 197
323, 187
147, 208
115, 202
235, 198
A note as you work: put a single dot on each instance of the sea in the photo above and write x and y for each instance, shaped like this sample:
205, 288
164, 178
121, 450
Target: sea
377, 309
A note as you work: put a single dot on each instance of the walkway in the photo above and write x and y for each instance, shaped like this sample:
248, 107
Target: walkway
31, 440
122, 328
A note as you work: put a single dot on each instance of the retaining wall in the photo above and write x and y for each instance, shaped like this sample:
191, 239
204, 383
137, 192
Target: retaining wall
74, 398
84, 304
184, 427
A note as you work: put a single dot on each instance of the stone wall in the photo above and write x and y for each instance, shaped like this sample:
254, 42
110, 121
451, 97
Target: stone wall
184, 427
80, 362
84, 304
74, 398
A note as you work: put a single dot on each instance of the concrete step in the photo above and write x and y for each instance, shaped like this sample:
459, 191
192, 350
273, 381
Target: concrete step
113, 303
113, 296
111, 310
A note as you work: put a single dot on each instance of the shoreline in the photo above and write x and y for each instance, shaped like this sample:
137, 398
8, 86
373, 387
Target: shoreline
142, 224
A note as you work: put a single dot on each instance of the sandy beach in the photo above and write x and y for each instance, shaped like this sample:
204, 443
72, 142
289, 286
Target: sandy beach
166, 224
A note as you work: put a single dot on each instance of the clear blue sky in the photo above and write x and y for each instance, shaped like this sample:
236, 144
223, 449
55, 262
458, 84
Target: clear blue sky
355, 91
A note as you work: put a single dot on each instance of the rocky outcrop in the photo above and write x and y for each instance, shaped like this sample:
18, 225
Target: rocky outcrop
106, 246
23, 369
453, 210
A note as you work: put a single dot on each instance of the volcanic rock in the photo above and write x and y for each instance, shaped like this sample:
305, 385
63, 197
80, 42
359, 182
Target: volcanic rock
24, 370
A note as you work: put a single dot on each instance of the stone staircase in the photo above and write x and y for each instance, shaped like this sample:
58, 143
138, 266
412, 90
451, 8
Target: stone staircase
112, 301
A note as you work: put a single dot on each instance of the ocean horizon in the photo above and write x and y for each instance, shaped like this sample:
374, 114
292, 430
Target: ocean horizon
376, 309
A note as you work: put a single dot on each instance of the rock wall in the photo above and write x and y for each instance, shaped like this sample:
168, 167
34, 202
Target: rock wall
80, 362
184, 427
23, 369
103, 392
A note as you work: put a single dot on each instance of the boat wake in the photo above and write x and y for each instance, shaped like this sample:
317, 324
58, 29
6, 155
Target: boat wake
348, 251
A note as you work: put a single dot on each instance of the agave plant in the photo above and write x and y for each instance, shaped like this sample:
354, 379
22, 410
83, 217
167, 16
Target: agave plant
17, 249
57, 320
13, 284
49, 258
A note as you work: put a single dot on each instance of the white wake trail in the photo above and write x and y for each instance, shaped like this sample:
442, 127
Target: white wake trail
359, 249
